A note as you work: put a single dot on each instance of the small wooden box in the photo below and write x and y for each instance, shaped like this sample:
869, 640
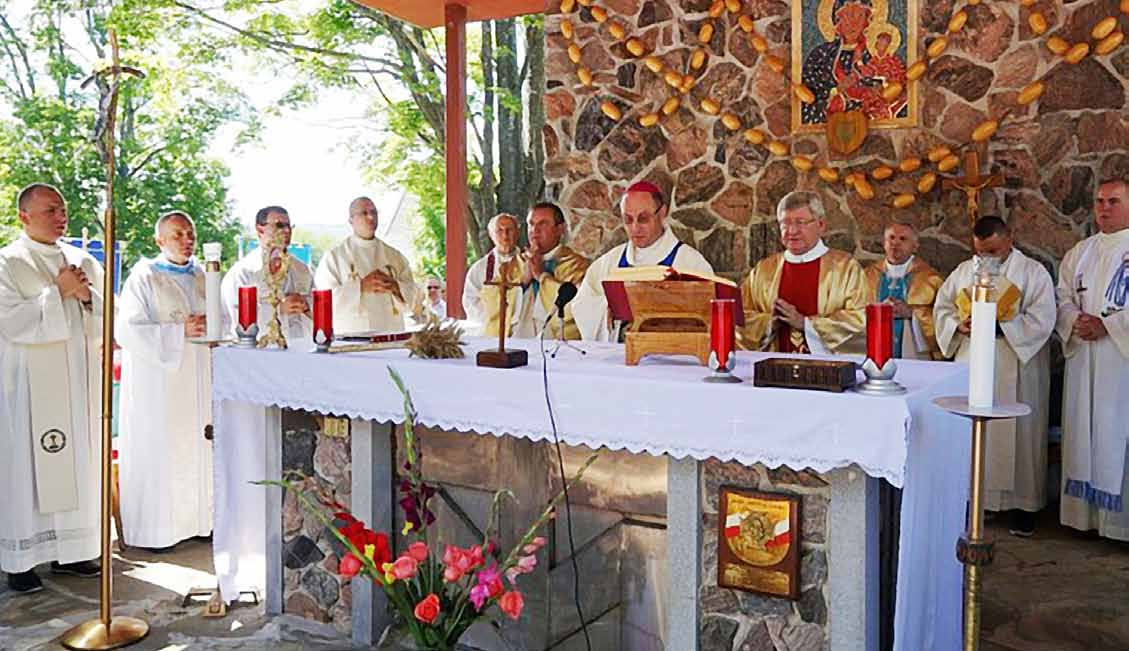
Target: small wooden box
792, 373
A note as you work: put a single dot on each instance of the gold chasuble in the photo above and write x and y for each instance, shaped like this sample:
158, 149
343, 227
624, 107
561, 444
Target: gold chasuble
562, 265
840, 301
920, 292
510, 270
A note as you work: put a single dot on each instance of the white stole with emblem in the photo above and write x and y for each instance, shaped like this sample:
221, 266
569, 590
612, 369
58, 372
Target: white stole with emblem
53, 456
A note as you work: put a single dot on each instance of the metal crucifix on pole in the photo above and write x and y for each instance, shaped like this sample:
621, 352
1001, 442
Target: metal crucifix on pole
107, 632
972, 184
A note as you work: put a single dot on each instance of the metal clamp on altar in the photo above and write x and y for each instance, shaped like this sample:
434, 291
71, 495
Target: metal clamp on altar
880, 367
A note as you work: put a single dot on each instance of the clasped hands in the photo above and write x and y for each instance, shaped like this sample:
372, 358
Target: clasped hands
1089, 327
72, 281
377, 282
784, 311
534, 266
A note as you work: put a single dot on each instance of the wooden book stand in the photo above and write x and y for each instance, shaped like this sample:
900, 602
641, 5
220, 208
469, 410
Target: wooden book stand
669, 317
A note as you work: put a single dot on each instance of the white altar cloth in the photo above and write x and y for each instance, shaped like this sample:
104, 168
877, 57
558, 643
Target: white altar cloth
659, 407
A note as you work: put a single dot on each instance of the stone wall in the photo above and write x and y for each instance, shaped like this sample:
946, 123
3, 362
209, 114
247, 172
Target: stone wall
311, 586
733, 620
725, 189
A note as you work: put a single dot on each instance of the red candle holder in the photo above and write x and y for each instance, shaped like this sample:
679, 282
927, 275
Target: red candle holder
723, 357
323, 319
879, 367
247, 331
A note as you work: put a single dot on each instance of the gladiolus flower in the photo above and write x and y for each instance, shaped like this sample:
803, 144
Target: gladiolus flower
418, 551
427, 611
525, 565
511, 604
349, 566
404, 568
534, 545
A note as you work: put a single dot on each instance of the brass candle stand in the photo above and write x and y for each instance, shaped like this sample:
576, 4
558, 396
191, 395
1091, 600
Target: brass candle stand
972, 549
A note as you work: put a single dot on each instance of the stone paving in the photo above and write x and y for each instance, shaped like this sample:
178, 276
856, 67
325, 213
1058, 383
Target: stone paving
1059, 591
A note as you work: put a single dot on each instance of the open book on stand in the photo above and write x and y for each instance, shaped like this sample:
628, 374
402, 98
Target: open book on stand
621, 307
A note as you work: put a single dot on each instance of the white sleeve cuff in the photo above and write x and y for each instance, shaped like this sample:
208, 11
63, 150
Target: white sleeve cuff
815, 343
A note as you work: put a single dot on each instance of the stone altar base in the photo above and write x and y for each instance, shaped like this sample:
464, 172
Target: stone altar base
622, 519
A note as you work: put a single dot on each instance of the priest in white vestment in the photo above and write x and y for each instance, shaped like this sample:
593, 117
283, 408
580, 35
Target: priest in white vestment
481, 300
373, 288
294, 310
50, 378
165, 461
1016, 473
649, 242
1093, 290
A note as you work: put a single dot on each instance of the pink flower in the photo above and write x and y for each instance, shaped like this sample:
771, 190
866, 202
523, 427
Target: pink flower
476, 556
525, 565
418, 551
478, 596
349, 566
404, 568
511, 604
451, 574
427, 611
534, 545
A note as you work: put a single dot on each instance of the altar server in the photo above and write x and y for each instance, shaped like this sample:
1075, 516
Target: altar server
547, 265
166, 394
481, 300
1093, 289
809, 298
1016, 473
910, 284
50, 379
649, 242
294, 310
372, 283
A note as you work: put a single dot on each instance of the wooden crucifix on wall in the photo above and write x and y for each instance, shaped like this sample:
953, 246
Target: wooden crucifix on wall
971, 184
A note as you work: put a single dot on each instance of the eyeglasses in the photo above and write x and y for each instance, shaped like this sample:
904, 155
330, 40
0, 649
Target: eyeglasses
431, 287
796, 224
279, 225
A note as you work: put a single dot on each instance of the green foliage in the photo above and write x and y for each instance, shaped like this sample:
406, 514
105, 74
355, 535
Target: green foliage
165, 123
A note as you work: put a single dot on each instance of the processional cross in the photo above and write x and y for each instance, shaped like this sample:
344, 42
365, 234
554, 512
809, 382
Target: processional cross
972, 183
107, 632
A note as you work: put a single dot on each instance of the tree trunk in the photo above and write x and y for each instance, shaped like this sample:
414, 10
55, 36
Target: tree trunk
535, 161
511, 143
487, 204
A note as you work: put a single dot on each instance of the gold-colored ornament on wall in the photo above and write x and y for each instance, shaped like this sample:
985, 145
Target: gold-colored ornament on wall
846, 131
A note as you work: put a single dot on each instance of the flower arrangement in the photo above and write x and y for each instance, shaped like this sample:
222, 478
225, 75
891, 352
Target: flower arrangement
439, 592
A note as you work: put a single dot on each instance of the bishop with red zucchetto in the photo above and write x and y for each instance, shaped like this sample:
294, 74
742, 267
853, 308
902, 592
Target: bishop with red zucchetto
649, 242
809, 298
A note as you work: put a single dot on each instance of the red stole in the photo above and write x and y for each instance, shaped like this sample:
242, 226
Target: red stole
799, 285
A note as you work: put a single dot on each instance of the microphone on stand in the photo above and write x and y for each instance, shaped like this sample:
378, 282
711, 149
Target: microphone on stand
565, 294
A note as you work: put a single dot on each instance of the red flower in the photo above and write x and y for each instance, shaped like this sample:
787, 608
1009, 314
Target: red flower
418, 551
427, 611
349, 566
511, 604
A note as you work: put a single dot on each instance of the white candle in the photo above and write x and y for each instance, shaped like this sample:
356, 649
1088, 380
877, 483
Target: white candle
212, 280
982, 355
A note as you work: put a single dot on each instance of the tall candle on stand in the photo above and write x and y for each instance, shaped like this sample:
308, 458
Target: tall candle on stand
248, 306
982, 348
879, 333
213, 310
323, 318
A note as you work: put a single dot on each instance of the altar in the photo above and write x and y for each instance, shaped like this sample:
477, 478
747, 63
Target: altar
645, 518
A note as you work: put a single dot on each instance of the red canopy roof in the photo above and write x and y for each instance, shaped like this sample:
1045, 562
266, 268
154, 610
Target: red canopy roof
429, 13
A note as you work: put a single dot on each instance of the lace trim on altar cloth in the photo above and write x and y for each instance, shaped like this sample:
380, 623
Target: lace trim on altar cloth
1101, 499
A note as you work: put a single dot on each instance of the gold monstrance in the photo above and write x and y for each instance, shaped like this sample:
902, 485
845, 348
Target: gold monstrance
275, 253
107, 632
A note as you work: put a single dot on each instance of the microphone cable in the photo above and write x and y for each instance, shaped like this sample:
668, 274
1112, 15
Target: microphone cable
564, 483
